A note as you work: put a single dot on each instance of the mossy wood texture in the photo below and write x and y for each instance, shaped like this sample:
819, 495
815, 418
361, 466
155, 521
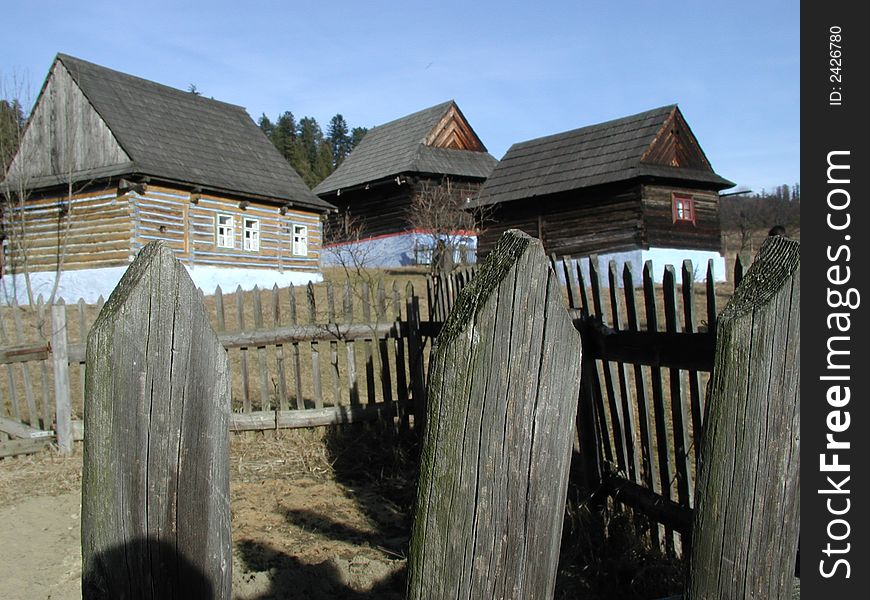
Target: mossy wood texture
155, 489
747, 515
502, 400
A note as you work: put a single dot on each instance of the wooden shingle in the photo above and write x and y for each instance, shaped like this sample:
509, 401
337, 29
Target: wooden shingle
656, 143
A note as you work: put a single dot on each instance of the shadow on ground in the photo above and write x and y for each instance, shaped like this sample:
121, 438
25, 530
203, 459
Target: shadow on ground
378, 469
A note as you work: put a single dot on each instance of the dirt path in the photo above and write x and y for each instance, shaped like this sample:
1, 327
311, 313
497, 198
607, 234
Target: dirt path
40, 549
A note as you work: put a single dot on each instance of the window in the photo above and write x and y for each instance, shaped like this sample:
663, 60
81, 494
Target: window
683, 208
300, 240
225, 231
251, 232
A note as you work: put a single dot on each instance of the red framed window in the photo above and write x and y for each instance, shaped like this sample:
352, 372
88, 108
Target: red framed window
683, 208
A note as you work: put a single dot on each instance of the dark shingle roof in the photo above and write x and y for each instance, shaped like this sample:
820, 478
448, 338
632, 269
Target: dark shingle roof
169, 133
594, 155
399, 147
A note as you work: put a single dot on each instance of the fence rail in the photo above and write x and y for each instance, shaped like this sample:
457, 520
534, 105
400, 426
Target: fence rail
301, 362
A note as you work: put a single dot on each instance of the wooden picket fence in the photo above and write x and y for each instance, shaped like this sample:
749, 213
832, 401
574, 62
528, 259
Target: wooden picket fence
639, 420
648, 353
357, 355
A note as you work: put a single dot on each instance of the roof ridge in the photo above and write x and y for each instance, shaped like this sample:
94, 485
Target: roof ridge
196, 97
602, 125
415, 114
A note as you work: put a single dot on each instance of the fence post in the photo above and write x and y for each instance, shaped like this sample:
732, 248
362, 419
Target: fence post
415, 357
155, 481
747, 515
500, 421
60, 365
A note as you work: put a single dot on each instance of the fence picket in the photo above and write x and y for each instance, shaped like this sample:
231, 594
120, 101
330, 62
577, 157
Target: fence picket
240, 315
352, 386
381, 317
679, 419
616, 426
333, 345
739, 269
297, 359
628, 412
521, 475
32, 415
710, 287
45, 327
661, 443
265, 402
315, 352
367, 345
83, 338
649, 459
281, 384
696, 399
155, 480
60, 364
751, 467
415, 356
401, 365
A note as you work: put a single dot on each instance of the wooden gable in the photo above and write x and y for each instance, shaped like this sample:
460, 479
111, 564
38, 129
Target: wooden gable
676, 146
453, 132
65, 134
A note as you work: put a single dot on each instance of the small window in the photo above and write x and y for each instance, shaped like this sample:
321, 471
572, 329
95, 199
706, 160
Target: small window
225, 231
300, 240
251, 231
683, 208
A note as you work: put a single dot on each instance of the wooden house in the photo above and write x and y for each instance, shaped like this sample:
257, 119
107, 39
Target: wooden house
633, 189
109, 162
376, 184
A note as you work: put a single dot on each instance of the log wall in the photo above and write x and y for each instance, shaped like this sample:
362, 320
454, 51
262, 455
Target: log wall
101, 228
191, 230
663, 232
576, 223
608, 219
94, 229
382, 209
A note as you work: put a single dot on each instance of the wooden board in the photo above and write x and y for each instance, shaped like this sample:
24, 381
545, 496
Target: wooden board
155, 482
499, 428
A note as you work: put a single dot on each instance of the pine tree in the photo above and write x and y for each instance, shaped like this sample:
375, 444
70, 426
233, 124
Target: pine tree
266, 126
339, 140
284, 134
310, 136
323, 166
12, 122
356, 136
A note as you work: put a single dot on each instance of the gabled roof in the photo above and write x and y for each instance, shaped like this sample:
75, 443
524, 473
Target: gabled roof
657, 143
436, 140
182, 137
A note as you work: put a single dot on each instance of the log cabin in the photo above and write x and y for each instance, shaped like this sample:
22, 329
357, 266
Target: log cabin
109, 162
375, 186
633, 189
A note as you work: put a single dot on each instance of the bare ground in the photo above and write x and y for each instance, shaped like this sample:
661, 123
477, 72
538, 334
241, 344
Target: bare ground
308, 522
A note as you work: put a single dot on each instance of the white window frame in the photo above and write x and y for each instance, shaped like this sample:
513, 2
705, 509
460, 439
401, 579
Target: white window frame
250, 234
300, 240
225, 233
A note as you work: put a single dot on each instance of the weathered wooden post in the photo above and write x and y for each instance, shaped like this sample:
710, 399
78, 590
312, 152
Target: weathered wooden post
60, 365
500, 422
155, 489
747, 515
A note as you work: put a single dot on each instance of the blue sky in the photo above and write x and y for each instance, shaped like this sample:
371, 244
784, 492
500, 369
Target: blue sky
517, 71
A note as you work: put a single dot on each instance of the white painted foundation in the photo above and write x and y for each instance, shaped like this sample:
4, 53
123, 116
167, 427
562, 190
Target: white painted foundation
659, 257
90, 284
